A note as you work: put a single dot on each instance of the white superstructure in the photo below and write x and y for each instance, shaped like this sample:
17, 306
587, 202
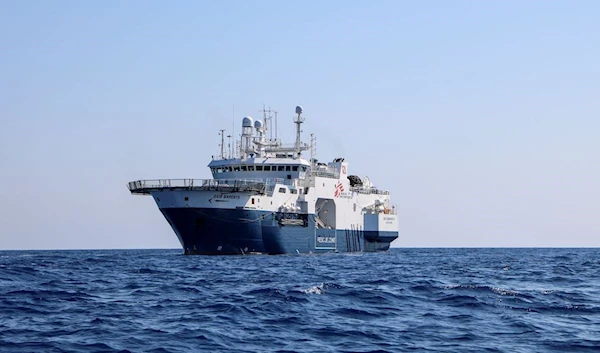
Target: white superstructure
272, 192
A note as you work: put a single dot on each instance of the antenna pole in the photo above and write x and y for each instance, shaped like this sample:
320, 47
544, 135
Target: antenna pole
222, 133
299, 120
267, 119
232, 123
275, 125
229, 147
313, 151
270, 128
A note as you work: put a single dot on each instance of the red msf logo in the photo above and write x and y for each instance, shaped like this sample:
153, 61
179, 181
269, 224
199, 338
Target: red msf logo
339, 188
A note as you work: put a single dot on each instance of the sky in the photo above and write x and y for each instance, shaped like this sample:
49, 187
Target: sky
480, 117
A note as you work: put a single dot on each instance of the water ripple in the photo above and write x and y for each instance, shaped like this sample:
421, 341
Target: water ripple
405, 300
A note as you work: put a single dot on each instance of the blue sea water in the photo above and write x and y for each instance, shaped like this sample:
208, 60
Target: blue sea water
403, 300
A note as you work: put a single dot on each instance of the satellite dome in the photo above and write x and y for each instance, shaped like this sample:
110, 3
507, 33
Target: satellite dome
299, 109
258, 124
247, 121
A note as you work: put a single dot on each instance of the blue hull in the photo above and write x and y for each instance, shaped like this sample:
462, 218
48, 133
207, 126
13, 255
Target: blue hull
210, 231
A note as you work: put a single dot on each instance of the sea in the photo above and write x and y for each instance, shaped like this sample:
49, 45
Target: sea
402, 300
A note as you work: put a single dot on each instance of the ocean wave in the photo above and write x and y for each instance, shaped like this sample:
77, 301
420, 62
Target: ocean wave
484, 288
318, 289
430, 300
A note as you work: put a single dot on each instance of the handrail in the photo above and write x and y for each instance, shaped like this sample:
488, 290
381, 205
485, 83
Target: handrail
248, 185
326, 174
363, 190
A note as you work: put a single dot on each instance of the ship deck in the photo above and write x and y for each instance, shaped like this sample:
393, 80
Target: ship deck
145, 187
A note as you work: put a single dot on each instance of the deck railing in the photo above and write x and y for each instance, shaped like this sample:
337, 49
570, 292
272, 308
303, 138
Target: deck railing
363, 190
229, 185
327, 174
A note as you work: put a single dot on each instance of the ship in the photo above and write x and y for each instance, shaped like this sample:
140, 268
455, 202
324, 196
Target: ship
267, 197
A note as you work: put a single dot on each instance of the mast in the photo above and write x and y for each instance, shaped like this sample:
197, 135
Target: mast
298, 121
268, 122
229, 151
222, 133
265, 118
313, 151
275, 125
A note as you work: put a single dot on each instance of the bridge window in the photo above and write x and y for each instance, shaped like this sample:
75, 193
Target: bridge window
293, 191
236, 168
303, 168
282, 190
295, 168
250, 168
212, 170
230, 168
267, 168
259, 168
281, 168
244, 168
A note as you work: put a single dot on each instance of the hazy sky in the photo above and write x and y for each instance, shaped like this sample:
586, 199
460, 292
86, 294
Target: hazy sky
480, 117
